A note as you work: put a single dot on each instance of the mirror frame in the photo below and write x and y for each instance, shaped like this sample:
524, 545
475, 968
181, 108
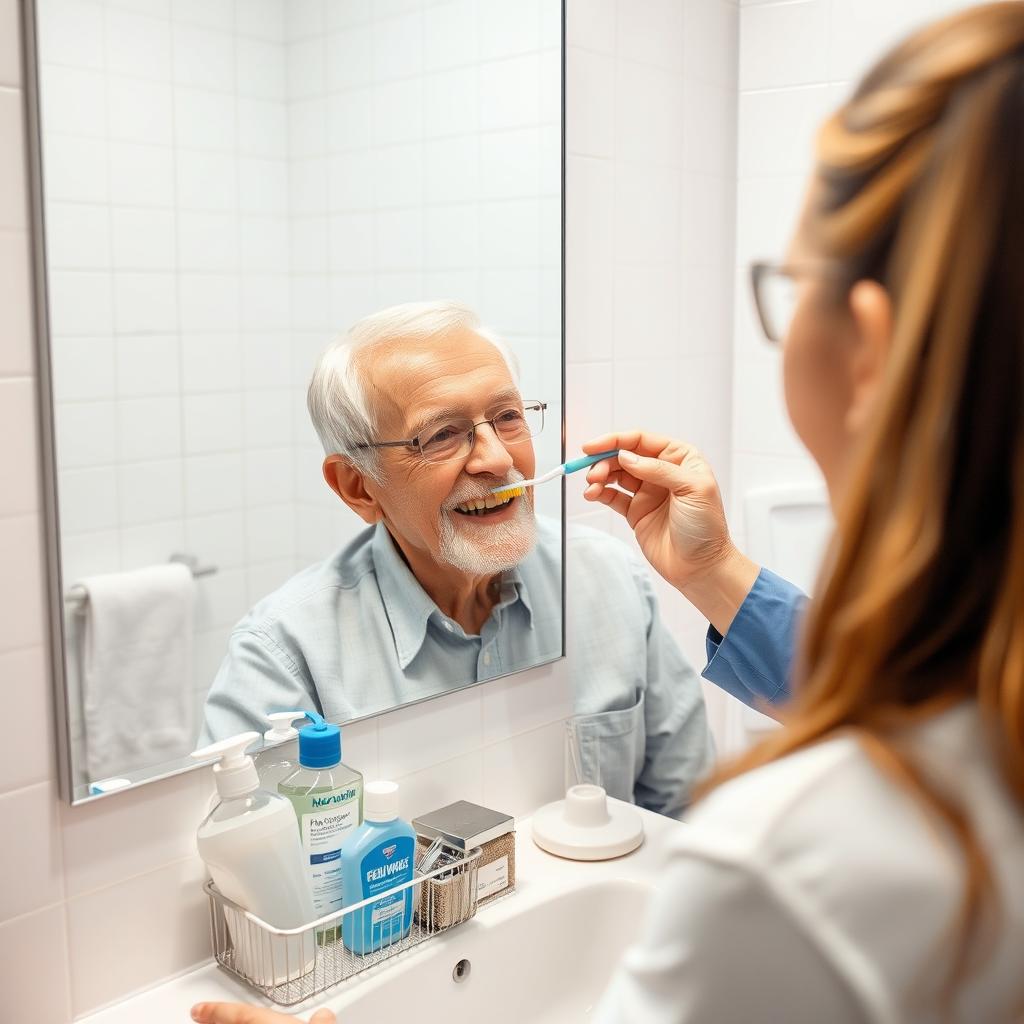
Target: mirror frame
47, 434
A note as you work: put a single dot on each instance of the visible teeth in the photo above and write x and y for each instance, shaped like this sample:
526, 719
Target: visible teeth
478, 505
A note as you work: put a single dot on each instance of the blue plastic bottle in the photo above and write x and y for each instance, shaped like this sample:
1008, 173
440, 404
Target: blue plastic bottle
379, 855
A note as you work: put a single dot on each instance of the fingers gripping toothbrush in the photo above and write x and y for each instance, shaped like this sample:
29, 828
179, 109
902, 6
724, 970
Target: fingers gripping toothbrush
513, 490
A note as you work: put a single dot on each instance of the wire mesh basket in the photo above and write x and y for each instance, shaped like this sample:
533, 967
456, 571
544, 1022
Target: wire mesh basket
289, 965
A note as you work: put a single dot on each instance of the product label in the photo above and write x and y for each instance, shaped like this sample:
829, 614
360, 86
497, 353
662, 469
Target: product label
492, 878
322, 836
342, 797
387, 919
387, 912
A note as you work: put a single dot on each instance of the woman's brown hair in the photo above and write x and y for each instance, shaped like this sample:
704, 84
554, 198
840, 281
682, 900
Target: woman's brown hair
920, 604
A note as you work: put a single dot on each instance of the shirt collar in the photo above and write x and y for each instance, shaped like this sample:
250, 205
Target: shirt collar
407, 604
514, 578
409, 607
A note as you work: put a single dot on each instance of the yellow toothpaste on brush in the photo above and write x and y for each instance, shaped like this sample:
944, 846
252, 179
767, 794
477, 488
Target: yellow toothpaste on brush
572, 466
512, 490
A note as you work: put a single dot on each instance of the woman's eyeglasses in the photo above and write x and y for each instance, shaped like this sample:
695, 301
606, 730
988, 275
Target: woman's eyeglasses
454, 438
776, 291
775, 294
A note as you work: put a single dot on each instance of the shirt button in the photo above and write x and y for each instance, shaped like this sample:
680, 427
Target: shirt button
487, 658
449, 627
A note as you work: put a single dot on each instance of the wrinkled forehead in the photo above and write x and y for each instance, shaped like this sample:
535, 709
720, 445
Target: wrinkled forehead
408, 380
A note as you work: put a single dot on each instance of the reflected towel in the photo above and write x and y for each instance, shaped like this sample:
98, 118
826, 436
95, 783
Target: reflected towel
137, 691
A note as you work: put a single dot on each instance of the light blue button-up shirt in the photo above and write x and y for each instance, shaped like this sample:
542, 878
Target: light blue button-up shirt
357, 634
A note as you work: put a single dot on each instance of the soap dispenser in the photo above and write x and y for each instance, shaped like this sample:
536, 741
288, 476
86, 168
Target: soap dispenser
278, 758
328, 800
250, 844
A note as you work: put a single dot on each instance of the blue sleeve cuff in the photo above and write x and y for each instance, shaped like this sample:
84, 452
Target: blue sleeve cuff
753, 660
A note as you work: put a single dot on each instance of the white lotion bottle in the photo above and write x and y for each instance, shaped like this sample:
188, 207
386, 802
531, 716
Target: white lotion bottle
250, 844
280, 754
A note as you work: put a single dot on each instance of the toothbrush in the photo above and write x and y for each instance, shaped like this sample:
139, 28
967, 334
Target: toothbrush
572, 466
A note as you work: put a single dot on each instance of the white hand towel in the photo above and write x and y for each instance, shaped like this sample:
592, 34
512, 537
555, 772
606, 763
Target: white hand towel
137, 685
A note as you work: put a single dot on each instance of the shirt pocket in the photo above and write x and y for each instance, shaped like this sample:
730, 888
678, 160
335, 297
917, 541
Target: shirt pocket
612, 746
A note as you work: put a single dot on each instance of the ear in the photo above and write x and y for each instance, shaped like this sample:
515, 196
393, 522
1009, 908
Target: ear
871, 312
350, 485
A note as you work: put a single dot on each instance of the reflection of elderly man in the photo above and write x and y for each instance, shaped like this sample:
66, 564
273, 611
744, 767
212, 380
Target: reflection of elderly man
420, 417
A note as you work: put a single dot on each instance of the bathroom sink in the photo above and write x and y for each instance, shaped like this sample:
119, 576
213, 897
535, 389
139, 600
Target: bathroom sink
542, 954
548, 964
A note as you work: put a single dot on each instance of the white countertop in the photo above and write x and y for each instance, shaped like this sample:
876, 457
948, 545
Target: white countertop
538, 876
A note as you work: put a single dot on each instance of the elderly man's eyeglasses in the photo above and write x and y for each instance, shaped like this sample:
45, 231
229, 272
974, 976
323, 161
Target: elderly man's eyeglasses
453, 438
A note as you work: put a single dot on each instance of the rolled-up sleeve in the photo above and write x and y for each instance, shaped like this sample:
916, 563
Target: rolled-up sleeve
754, 659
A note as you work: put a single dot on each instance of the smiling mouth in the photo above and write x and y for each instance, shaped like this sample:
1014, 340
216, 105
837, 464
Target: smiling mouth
483, 506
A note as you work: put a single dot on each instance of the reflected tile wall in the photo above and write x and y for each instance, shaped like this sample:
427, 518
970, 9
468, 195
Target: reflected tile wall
423, 164
166, 174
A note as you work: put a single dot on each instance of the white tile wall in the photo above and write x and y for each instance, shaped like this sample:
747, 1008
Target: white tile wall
15, 318
33, 997
96, 881
796, 61
108, 957
10, 50
650, 193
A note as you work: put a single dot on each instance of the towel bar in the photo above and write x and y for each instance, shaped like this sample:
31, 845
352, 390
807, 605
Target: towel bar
77, 596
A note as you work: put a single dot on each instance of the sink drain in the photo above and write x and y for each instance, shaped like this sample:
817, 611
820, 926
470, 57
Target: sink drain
461, 971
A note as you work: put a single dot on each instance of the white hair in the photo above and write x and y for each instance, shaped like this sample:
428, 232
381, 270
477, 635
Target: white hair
336, 398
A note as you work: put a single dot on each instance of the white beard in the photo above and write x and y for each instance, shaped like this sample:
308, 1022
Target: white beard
505, 545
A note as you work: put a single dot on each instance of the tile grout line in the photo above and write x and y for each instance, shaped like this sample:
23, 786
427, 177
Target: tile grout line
45, 908
192, 858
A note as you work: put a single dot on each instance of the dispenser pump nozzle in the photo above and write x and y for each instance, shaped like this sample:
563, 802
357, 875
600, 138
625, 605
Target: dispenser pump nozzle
234, 773
281, 726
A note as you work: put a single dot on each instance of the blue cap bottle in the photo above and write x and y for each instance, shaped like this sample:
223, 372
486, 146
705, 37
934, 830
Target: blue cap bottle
328, 800
319, 743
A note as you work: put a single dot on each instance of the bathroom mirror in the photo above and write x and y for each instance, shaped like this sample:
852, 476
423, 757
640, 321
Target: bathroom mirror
223, 189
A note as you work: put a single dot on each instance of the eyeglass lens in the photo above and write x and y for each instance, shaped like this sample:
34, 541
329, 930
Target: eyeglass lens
777, 298
452, 439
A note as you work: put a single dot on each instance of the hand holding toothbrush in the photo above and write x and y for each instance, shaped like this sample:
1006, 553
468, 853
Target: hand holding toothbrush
513, 490
668, 494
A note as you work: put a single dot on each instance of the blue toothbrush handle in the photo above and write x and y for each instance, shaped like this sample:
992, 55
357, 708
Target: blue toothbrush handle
588, 460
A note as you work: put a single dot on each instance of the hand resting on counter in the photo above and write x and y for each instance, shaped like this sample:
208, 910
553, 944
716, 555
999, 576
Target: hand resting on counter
241, 1013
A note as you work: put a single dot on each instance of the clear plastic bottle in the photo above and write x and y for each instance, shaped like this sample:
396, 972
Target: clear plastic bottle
328, 800
248, 842
279, 756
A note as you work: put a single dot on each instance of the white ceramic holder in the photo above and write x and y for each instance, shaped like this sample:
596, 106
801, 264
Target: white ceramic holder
586, 825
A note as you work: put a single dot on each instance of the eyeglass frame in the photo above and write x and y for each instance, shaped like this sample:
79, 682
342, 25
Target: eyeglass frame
761, 269
414, 442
